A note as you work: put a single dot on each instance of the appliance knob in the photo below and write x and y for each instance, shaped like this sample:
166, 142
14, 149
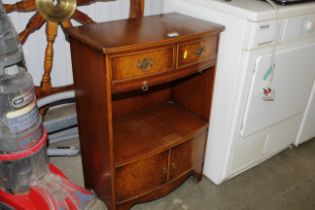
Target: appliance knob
309, 26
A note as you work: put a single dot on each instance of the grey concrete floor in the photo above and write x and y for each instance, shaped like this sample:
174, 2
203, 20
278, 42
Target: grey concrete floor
286, 181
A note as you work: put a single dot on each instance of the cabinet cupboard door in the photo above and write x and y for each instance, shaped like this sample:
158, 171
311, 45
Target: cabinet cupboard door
142, 176
187, 155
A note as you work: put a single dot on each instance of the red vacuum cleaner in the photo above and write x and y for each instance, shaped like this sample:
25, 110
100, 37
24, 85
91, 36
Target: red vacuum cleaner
27, 180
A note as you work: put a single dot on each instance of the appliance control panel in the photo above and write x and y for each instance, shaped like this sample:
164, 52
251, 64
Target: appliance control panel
299, 27
264, 33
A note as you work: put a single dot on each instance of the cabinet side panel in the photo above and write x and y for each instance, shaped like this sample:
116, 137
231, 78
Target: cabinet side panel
195, 93
93, 102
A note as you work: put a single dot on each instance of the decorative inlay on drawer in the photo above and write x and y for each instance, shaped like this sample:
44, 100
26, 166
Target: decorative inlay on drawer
142, 63
197, 51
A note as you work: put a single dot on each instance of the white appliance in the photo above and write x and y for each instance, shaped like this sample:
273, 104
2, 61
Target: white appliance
247, 127
285, 2
307, 127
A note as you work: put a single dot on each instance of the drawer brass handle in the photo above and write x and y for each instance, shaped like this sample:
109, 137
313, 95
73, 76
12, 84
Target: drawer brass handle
145, 86
145, 64
174, 166
199, 50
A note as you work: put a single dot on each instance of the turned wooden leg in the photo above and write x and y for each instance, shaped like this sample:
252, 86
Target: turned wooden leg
51, 32
33, 24
82, 18
66, 24
24, 6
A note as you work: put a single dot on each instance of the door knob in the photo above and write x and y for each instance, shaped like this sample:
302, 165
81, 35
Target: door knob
174, 166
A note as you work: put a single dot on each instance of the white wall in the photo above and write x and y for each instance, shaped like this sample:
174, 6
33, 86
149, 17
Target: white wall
34, 48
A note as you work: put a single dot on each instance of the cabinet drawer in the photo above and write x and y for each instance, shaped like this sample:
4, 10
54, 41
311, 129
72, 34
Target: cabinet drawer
197, 51
142, 63
142, 176
187, 155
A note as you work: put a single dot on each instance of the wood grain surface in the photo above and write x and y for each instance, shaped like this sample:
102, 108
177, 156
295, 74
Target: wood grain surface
140, 144
138, 33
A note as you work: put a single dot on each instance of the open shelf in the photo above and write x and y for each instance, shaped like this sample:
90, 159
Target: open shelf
152, 130
143, 105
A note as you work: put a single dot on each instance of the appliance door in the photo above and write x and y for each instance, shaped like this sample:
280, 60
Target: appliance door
307, 128
292, 82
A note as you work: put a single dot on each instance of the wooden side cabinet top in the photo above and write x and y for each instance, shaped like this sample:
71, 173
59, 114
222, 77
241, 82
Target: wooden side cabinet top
143, 96
136, 33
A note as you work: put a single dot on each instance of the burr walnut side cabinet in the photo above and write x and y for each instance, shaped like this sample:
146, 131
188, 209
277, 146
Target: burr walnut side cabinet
143, 94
